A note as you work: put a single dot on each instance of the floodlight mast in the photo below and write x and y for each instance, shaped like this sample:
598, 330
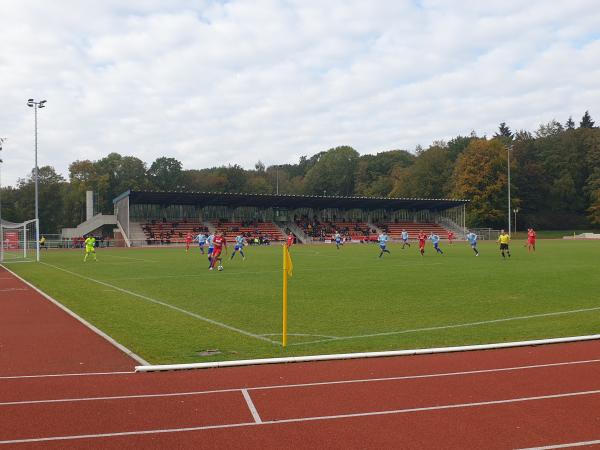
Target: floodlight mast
36, 105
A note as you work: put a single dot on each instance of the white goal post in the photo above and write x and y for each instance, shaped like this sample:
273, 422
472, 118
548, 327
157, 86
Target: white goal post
19, 242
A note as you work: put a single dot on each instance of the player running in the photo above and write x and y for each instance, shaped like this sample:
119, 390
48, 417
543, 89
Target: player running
405, 239
338, 240
201, 239
240, 241
472, 238
211, 247
382, 239
219, 243
504, 239
188, 240
435, 239
531, 236
450, 237
422, 238
90, 247
290, 240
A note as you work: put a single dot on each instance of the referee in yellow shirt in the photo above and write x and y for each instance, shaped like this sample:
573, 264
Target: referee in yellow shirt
504, 239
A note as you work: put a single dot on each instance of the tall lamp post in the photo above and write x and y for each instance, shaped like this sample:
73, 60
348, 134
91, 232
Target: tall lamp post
508, 149
1, 227
516, 210
36, 105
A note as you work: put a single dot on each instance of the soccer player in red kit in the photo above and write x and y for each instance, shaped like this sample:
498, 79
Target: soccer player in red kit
188, 241
290, 240
422, 239
531, 240
219, 243
450, 237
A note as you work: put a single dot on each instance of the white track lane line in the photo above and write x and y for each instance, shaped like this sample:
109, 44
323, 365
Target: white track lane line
446, 327
319, 383
307, 419
52, 375
251, 406
569, 445
167, 305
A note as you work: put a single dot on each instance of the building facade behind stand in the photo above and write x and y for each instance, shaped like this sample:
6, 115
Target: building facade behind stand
165, 218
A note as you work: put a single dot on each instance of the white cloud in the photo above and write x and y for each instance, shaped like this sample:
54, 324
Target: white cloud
233, 82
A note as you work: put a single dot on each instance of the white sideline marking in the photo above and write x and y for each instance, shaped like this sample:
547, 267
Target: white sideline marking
340, 356
571, 444
129, 257
167, 305
317, 383
446, 327
99, 332
83, 374
306, 419
251, 406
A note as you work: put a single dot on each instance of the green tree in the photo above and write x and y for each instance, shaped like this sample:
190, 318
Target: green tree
570, 124
480, 175
586, 121
333, 173
165, 174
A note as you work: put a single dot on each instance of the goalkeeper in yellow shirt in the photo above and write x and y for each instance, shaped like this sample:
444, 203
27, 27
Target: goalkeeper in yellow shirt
90, 248
504, 239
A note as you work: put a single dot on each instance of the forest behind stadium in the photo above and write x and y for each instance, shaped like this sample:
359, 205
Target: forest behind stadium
555, 178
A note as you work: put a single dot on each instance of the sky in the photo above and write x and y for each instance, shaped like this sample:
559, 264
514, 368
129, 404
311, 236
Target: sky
233, 82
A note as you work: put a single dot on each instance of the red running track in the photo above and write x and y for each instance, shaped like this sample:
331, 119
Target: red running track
510, 398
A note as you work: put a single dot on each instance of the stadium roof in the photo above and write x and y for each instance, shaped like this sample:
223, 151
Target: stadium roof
286, 200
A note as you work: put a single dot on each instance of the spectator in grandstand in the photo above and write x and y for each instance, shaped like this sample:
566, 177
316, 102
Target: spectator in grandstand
531, 236
405, 239
240, 241
435, 239
504, 239
382, 239
472, 238
422, 238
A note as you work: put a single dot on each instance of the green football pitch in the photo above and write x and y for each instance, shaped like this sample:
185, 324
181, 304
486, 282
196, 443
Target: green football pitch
167, 307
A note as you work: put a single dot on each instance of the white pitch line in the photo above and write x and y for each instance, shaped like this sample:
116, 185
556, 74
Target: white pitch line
317, 383
446, 327
52, 375
569, 445
251, 406
96, 330
167, 305
306, 419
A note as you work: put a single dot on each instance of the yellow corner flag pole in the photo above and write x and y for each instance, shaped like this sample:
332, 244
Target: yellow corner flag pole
287, 271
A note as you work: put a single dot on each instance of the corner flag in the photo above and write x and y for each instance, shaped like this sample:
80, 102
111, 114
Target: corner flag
288, 269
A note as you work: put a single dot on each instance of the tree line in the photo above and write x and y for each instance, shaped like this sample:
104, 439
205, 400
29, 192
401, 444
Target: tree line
555, 178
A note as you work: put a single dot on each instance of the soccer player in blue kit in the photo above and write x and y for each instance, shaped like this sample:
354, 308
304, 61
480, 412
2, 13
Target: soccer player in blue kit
435, 239
405, 238
240, 241
472, 238
338, 240
383, 238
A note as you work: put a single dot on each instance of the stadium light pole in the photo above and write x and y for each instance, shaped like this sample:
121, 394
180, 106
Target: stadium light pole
36, 105
2, 140
508, 149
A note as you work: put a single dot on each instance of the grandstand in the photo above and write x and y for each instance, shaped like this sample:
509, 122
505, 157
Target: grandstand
164, 218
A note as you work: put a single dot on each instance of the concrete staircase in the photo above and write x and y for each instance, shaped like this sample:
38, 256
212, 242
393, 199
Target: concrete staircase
300, 235
88, 226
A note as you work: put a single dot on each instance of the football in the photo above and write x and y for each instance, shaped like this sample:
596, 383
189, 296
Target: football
220, 267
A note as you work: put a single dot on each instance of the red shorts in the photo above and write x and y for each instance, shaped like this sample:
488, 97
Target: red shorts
216, 252
531, 241
421, 244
